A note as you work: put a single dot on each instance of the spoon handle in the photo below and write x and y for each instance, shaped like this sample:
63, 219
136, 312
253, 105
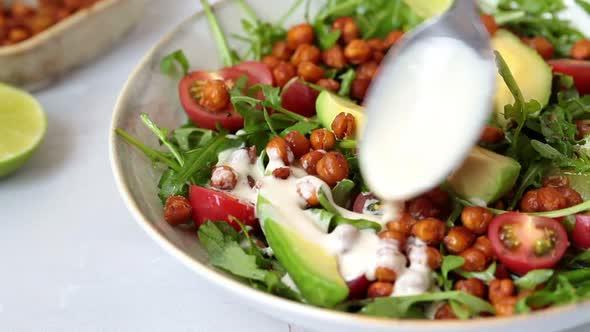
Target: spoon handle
464, 7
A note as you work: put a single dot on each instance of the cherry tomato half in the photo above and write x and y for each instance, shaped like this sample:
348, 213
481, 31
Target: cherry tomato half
217, 206
579, 70
361, 200
299, 98
357, 288
581, 232
524, 243
229, 119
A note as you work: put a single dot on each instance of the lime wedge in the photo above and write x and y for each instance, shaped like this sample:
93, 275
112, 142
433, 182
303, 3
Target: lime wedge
429, 8
22, 127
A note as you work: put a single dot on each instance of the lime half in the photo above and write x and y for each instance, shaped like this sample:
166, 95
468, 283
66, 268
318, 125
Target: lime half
22, 127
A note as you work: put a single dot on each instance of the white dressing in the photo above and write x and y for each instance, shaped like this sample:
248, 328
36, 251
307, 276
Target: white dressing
411, 143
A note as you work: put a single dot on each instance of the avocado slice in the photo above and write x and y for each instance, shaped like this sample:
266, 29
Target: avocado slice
533, 75
429, 8
329, 105
313, 269
484, 177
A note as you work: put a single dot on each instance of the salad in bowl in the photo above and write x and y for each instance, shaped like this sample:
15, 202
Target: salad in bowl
265, 171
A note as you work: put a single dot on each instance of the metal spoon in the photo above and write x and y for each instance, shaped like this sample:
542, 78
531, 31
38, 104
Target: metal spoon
411, 142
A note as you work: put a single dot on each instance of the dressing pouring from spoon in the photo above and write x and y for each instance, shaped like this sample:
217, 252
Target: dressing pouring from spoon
428, 105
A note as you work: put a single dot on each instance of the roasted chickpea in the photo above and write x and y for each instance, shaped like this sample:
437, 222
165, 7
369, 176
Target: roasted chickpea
581, 50
377, 45
271, 61
359, 88
224, 178
385, 274
177, 210
499, 289
472, 286
506, 306
306, 53
334, 57
421, 208
392, 38
298, 143
445, 312
583, 127
490, 23
310, 72
283, 73
400, 238
349, 30
556, 181
63, 13
550, 199
484, 245
458, 239
429, 230
17, 35
73, 4
310, 160
402, 225
380, 289
322, 139
278, 149
332, 168
299, 35
530, 202
367, 70
40, 23
344, 125
542, 45
491, 135
571, 196
357, 52
20, 10
475, 260
329, 84
281, 51
214, 96
434, 258
282, 173
378, 56
476, 219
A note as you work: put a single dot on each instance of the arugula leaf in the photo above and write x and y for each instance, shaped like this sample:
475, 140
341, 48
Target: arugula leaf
561, 292
162, 134
449, 264
585, 5
154, 155
486, 276
228, 56
534, 278
326, 203
325, 36
205, 157
405, 306
342, 192
531, 178
167, 66
189, 138
169, 185
357, 223
346, 82
579, 261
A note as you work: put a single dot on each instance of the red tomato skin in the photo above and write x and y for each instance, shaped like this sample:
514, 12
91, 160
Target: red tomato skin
257, 71
217, 206
578, 69
581, 233
299, 98
357, 288
359, 203
522, 263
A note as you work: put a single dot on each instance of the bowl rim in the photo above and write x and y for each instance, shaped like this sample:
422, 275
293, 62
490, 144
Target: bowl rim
252, 295
56, 29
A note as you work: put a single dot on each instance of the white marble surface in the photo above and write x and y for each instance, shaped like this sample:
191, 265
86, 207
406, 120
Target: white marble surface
71, 257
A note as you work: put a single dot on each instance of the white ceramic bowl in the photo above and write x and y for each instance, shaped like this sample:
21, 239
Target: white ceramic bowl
151, 92
38, 61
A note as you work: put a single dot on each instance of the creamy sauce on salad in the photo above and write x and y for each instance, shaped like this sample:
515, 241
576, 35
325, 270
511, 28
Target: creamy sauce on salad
358, 252
434, 87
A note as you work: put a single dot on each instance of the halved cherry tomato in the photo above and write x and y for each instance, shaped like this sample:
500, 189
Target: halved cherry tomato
524, 243
357, 288
360, 201
579, 70
218, 206
299, 98
581, 233
229, 119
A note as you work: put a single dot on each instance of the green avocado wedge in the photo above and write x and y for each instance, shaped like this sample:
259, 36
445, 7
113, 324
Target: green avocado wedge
313, 269
329, 105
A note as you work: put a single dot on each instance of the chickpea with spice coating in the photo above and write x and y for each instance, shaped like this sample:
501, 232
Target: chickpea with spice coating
348, 28
367, 70
484, 245
499, 289
434, 258
429, 230
445, 312
281, 51
334, 57
358, 51
332, 168
283, 73
403, 224
359, 88
271, 61
490, 23
476, 219
458, 239
506, 307
473, 286
177, 210
392, 38
282, 173
475, 260
310, 72
581, 50
278, 148
380, 289
224, 178
329, 84
306, 53
310, 160
491, 135
298, 143
385, 274
322, 139
542, 45
344, 125
400, 238
299, 35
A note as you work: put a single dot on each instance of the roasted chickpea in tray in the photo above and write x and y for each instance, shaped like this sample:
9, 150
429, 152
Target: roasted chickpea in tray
271, 154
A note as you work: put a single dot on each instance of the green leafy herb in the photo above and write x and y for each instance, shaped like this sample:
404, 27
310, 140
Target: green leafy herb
167, 66
486, 276
169, 185
534, 278
162, 134
154, 155
585, 5
342, 192
228, 56
202, 159
405, 306
449, 264
346, 83
326, 203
